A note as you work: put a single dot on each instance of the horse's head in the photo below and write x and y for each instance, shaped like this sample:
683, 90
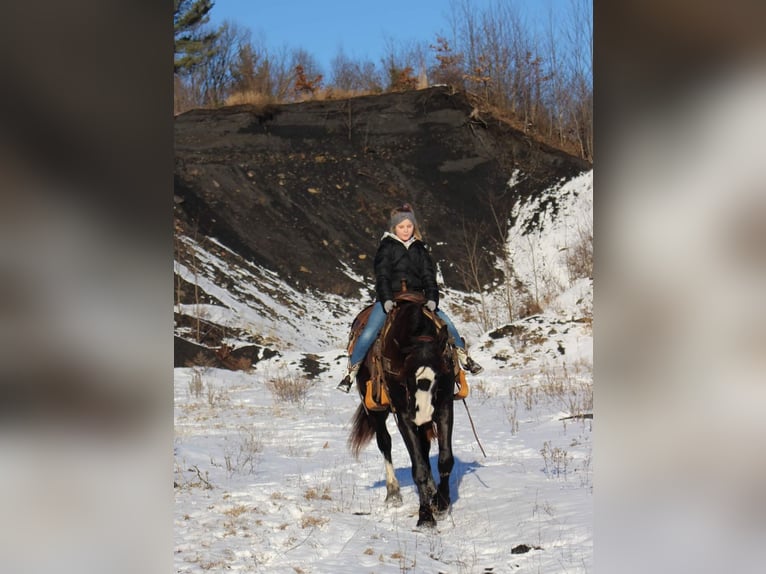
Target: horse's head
423, 372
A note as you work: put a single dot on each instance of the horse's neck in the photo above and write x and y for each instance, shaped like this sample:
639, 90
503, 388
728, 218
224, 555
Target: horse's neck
401, 329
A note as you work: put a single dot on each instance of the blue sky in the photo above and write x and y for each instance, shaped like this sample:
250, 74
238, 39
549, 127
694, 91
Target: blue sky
360, 27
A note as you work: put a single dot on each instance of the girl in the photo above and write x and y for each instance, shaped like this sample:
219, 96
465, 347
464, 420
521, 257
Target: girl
402, 255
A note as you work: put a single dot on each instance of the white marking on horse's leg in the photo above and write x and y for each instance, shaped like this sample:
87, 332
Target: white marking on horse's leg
393, 494
390, 474
424, 377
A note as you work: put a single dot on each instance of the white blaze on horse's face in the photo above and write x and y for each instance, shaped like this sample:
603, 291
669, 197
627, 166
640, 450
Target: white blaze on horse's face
424, 384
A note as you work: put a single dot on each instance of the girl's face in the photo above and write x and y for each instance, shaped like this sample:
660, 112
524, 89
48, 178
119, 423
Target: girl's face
404, 230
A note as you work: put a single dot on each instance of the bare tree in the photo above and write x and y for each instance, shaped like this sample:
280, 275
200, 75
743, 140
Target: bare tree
502, 224
343, 73
469, 268
569, 47
371, 78
220, 68
280, 68
245, 69
350, 76
559, 94
210, 82
544, 86
403, 65
465, 33
580, 36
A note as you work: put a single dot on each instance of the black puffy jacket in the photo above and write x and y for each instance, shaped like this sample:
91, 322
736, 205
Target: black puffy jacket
395, 261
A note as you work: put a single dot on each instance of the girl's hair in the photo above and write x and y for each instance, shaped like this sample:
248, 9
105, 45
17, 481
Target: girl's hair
397, 214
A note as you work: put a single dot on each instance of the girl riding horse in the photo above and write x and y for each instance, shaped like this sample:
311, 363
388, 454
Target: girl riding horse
402, 258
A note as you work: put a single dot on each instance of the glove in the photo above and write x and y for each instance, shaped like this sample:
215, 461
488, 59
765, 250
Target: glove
387, 306
431, 305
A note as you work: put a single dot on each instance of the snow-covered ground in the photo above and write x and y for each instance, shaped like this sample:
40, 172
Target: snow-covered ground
264, 481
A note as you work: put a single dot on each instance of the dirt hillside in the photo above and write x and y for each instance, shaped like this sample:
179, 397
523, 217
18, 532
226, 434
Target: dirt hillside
304, 189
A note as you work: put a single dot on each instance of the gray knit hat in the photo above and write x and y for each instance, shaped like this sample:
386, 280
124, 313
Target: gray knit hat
401, 213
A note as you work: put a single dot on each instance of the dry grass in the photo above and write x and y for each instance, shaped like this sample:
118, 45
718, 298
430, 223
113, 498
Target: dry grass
567, 387
236, 511
196, 480
243, 458
201, 360
290, 388
216, 396
338, 94
316, 494
250, 97
579, 259
195, 384
570, 387
513, 417
557, 460
310, 521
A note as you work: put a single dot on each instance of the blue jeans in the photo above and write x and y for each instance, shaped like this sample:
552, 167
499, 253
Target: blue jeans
375, 324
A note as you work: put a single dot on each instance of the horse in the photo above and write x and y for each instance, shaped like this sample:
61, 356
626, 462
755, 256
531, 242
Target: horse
418, 382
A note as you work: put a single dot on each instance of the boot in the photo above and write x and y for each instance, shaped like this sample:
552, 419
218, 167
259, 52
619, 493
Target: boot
345, 384
467, 363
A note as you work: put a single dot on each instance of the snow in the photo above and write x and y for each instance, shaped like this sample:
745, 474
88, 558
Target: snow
265, 483
537, 254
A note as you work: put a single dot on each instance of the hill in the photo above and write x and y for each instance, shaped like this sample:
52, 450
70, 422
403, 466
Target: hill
301, 192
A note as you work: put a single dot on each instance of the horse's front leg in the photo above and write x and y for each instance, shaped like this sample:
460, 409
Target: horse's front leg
383, 438
444, 419
418, 444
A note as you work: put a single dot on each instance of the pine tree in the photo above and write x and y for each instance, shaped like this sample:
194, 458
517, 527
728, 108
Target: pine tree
193, 44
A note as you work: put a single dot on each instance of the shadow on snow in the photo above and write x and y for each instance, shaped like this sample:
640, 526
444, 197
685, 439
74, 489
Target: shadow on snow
460, 470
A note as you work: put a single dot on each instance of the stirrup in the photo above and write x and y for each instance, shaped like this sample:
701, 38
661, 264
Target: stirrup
345, 384
467, 363
472, 366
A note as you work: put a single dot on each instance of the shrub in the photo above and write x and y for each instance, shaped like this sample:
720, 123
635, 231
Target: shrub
579, 259
290, 388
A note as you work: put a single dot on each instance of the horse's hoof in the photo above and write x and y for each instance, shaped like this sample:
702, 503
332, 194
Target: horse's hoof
394, 500
426, 518
427, 523
441, 504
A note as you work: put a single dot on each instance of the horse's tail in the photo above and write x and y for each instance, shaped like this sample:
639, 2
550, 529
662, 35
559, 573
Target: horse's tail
362, 431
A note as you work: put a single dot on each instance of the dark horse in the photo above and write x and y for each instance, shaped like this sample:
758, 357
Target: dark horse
419, 380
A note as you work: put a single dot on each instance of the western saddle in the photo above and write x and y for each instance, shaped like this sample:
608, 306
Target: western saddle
376, 393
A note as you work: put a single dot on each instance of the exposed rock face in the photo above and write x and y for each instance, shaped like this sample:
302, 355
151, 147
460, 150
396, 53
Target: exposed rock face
304, 189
